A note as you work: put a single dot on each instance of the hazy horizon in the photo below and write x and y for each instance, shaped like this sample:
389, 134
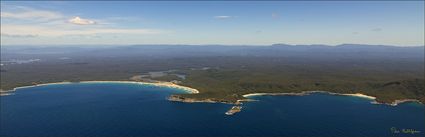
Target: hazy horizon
117, 45
212, 23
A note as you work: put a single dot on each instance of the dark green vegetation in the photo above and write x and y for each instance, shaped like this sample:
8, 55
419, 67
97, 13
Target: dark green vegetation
389, 73
387, 85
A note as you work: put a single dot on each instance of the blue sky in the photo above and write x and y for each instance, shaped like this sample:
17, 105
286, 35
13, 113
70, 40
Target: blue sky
214, 22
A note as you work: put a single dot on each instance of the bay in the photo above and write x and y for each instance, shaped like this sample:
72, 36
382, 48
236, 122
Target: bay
128, 109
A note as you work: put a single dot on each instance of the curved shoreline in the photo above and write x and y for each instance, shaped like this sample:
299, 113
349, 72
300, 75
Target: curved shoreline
195, 91
159, 84
360, 95
233, 110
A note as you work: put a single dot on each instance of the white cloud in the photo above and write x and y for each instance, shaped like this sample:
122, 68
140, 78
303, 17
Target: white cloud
80, 21
18, 36
25, 22
23, 25
54, 31
223, 17
32, 14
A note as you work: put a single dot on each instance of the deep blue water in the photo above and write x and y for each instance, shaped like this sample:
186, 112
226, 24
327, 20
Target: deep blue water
107, 109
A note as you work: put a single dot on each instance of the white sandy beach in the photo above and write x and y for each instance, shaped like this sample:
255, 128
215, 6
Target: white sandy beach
159, 84
360, 95
195, 91
309, 92
395, 103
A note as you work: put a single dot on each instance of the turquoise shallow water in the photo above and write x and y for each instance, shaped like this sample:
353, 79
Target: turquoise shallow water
119, 109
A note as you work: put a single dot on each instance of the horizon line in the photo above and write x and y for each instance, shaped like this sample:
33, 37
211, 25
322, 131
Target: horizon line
253, 45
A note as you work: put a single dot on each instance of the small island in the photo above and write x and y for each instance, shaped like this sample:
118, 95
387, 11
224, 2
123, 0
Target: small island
233, 110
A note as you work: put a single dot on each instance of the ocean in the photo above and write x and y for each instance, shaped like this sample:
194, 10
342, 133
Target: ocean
128, 109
